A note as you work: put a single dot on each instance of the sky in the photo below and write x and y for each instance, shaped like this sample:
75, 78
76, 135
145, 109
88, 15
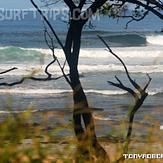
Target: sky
16, 4
21, 4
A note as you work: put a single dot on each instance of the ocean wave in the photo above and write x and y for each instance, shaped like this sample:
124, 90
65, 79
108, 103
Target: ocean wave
24, 70
127, 39
112, 92
17, 54
34, 91
16, 111
113, 67
29, 59
10, 53
155, 39
63, 91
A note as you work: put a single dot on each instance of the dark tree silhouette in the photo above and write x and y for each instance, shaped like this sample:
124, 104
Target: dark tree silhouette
89, 147
86, 134
139, 96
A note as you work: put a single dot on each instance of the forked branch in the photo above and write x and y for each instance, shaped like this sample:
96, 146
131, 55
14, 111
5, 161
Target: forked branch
139, 95
48, 23
50, 44
127, 72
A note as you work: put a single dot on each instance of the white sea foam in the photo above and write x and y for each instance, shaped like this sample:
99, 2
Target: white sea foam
113, 67
34, 91
61, 91
55, 70
158, 40
132, 55
132, 52
106, 92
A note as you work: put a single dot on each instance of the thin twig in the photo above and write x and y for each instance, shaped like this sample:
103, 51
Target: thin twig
52, 47
6, 71
29, 78
127, 72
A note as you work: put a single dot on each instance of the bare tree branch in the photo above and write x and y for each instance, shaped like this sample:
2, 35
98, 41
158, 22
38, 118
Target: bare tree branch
52, 48
121, 86
49, 75
29, 78
70, 4
93, 9
149, 80
133, 18
48, 23
6, 71
139, 97
81, 4
127, 72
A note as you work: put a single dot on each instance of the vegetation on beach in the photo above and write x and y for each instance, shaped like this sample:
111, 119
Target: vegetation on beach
23, 140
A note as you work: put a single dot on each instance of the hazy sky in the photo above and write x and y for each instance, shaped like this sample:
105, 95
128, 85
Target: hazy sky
23, 4
15, 4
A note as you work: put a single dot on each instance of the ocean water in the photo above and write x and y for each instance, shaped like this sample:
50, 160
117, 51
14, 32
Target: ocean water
140, 46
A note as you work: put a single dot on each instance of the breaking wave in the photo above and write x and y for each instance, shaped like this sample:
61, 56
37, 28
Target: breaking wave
155, 39
18, 54
28, 69
63, 91
127, 39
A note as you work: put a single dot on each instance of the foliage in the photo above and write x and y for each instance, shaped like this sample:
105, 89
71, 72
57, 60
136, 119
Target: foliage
25, 141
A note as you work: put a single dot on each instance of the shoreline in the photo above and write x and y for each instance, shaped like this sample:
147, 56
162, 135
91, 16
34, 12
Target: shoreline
63, 116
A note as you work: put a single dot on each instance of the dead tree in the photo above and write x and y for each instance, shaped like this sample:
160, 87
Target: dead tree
139, 95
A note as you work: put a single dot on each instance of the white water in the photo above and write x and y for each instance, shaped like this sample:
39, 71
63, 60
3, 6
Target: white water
59, 91
157, 40
132, 52
147, 59
39, 70
138, 60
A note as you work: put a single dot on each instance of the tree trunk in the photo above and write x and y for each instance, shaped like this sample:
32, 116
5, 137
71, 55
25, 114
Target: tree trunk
88, 144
